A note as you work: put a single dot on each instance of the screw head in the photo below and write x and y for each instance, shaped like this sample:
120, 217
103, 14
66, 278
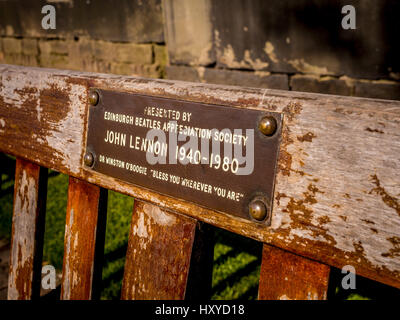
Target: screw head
93, 97
88, 159
267, 126
257, 210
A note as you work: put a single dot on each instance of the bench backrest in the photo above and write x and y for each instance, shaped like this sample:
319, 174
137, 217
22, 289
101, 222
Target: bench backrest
336, 198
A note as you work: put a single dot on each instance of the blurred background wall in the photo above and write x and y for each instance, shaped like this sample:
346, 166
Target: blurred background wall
281, 44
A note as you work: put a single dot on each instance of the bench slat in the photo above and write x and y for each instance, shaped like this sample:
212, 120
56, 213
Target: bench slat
84, 240
286, 276
30, 191
158, 257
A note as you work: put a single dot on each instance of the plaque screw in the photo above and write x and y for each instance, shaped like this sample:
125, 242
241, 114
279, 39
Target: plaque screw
267, 125
88, 159
257, 210
93, 97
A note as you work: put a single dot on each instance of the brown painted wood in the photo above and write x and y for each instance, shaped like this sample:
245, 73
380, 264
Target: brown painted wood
158, 255
286, 276
336, 191
30, 191
84, 241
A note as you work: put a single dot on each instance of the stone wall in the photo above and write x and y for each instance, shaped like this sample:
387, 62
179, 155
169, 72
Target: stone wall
123, 37
287, 45
86, 54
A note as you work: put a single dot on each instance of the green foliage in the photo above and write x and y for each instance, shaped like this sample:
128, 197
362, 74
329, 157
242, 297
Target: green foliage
236, 267
53, 248
119, 213
6, 203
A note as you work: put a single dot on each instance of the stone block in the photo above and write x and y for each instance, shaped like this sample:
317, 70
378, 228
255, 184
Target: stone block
12, 45
246, 78
30, 46
53, 47
380, 89
327, 85
182, 73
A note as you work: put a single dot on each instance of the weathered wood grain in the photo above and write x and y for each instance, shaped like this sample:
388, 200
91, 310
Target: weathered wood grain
337, 190
286, 276
84, 241
158, 257
30, 192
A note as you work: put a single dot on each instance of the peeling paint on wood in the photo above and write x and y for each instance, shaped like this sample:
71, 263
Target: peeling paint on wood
158, 256
84, 240
27, 231
286, 276
325, 190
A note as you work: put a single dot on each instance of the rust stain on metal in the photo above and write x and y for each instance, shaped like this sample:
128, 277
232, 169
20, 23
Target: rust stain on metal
389, 200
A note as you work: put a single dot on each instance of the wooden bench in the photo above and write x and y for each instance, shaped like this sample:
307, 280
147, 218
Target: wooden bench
336, 199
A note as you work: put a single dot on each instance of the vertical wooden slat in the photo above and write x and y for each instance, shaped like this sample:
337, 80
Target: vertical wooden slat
158, 256
30, 192
286, 276
84, 240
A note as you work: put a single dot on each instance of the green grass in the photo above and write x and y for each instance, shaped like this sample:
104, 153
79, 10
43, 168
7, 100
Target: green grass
53, 248
236, 269
236, 259
6, 202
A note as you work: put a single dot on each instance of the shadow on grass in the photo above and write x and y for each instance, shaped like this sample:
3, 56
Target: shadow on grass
237, 262
235, 277
113, 280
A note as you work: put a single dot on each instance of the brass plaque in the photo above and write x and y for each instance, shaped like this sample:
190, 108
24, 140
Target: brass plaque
212, 155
